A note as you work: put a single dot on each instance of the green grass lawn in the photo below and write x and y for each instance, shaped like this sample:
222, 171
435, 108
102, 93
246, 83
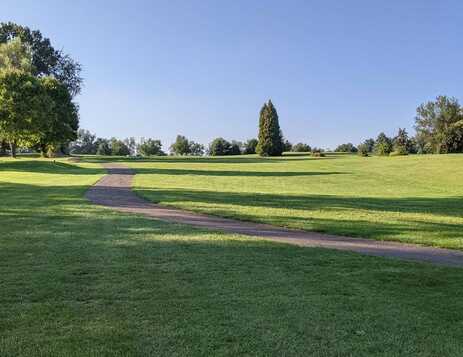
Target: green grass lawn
414, 199
78, 280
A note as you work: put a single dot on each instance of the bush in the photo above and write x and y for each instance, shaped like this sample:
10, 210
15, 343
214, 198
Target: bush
399, 151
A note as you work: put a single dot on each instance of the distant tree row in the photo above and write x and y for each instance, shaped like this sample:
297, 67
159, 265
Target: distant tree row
37, 85
439, 130
88, 144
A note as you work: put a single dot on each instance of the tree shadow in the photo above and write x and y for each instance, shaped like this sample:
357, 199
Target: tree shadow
48, 167
165, 171
446, 206
119, 283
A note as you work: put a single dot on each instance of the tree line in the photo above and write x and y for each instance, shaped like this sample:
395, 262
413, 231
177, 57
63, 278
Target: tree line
439, 130
37, 87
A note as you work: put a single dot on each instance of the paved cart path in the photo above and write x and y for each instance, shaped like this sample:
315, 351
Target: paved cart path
115, 190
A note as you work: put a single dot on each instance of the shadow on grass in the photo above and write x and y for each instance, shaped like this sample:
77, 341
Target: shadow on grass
176, 172
446, 206
80, 280
48, 167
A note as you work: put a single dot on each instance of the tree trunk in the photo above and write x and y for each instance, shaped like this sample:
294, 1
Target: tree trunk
3, 148
43, 150
13, 149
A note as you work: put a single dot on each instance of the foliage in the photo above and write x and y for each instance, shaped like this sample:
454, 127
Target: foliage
181, 146
402, 143
150, 147
84, 144
301, 147
46, 61
249, 147
370, 144
383, 145
439, 126
118, 147
317, 152
103, 147
131, 144
270, 136
61, 120
21, 108
363, 150
349, 147
236, 147
219, 147
287, 146
14, 55
196, 149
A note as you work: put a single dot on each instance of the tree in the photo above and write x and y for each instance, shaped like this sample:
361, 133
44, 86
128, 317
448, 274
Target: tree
14, 55
131, 143
219, 147
287, 146
104, 148
363, 149
250, 146
60, 120
46, 61
370, 144
196, 149
84, 144
439, 125
150, 147
118, 147
402, 144
21, 108
181, 146
349, 147
383, 145
301, 147
270, 137
235, 147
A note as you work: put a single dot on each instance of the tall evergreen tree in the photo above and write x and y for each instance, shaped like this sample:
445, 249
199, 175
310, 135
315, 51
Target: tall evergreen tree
270, 136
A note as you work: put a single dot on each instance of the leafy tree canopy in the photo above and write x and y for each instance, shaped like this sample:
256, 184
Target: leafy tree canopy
46, 61
270, 136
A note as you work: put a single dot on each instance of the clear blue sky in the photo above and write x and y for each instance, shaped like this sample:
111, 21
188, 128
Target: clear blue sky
337, 71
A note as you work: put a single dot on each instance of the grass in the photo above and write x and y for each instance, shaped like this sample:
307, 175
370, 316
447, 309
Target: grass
414, 199
78, 280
